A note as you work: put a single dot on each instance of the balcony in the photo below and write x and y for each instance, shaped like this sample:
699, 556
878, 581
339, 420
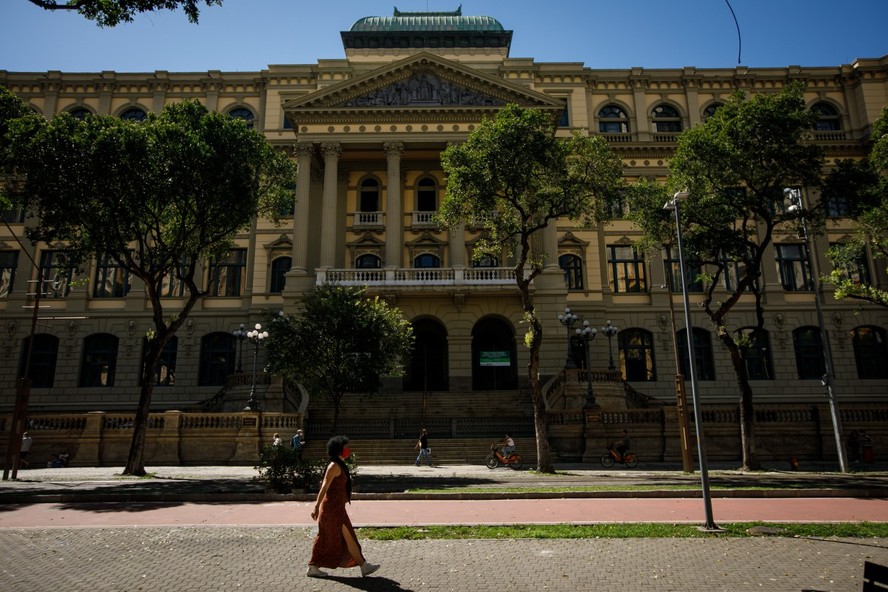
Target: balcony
420, 277
423, 220
369, 219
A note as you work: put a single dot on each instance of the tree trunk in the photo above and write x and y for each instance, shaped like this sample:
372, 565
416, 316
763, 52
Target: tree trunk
540, 417
747, 413
135, 462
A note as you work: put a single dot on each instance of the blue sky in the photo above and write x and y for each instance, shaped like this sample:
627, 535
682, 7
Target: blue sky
247, 35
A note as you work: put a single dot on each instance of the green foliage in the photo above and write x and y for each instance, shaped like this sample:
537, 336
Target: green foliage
156, 197
512, 176
864, 184
110, 13
341, 341
281, 469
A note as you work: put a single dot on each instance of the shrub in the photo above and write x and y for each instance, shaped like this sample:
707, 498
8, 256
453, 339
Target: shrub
282, 471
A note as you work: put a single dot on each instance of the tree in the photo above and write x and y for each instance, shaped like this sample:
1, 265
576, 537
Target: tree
341, 341
735, 167
156, 198
513, 178
110, 13
864, 184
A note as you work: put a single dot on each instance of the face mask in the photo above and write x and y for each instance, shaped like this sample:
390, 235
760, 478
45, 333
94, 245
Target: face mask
346, 452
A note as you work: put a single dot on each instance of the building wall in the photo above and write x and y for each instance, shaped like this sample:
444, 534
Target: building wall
858, 91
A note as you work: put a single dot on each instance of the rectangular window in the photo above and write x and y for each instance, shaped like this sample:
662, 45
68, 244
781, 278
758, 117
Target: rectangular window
55, 273
626, 271
228, 275
792, 265
856, 271
112, 279
172, 286
673, 270
8, 264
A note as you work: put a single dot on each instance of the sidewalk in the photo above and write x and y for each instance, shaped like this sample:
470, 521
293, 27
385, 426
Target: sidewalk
233, 483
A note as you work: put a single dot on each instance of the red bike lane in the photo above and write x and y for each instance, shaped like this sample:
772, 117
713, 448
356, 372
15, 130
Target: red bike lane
385, 513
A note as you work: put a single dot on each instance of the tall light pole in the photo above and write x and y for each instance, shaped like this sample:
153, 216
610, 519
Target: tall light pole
568, 319
256, 337
587, 334
698, 417
609, 331
797, 207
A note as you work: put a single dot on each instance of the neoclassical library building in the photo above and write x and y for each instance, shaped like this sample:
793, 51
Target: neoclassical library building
367, 131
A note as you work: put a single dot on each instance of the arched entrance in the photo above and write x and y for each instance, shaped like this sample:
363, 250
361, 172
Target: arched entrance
494, 359
428, 369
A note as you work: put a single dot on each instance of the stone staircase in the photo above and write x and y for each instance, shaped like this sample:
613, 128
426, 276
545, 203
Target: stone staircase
384, 428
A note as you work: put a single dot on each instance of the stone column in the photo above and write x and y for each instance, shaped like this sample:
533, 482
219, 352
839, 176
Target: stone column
550, 244
304, 151
458, 246
394, 222
331, 152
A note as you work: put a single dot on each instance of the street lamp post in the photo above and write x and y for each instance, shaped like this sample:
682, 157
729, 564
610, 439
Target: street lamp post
240, 335
587, 334
256, 337
568, 319
796, 207
609, 331
698, 417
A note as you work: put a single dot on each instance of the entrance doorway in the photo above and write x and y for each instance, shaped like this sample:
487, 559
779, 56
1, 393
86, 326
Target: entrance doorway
494, 360
428, 369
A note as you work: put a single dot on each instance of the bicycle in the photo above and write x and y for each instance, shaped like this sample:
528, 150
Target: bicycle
495, 459
629, 458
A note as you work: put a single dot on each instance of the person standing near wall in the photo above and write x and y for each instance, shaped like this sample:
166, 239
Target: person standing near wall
26, 449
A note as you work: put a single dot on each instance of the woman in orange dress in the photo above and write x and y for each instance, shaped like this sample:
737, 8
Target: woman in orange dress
336, 544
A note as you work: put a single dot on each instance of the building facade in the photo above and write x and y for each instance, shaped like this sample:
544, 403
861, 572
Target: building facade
367, 132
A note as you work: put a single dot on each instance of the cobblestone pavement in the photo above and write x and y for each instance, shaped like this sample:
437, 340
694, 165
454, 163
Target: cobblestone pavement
219, 559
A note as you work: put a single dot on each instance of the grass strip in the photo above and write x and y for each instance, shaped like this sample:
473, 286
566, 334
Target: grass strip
615, 531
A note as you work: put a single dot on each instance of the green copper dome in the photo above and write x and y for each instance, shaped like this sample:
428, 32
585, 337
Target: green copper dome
426, 30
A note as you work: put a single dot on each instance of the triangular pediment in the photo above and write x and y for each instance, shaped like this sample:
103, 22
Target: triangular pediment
421, 83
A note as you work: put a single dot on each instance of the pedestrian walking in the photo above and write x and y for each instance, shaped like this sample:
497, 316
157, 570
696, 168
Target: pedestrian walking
336, 544
423, 446
26, 449
297, 442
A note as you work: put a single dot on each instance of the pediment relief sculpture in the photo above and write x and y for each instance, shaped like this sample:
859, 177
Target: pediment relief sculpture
421, 90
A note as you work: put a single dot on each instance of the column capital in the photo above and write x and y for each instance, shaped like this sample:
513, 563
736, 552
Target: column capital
393, 149
303, 149
331, 149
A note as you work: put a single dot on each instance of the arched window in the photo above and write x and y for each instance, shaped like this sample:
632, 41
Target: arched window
637, 355
80, 112
165, 373
757, 355
44, 356
99, 360
828, 119
573, 271
710, 110
426, 195
279, 269
368, 200
666, 119
870, 352
217, 353
613, 120
426, 260
243, 113
134, 114
485, 261
703, 359
368, 261
809, 352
